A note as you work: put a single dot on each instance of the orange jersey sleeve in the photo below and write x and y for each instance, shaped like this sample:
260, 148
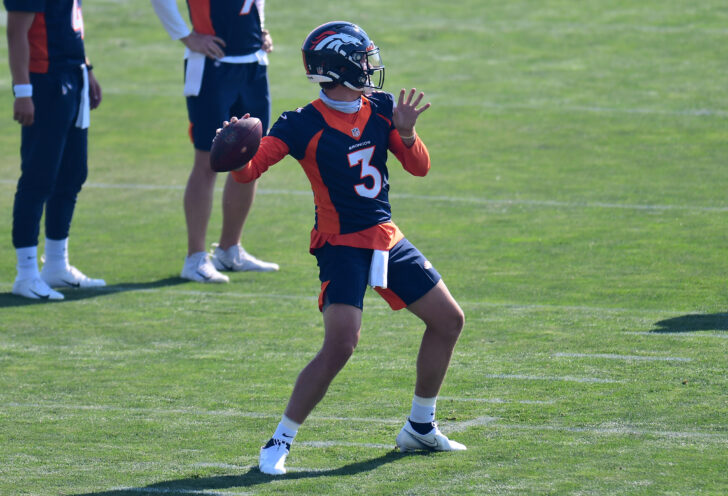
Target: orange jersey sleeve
271, 151
415, 159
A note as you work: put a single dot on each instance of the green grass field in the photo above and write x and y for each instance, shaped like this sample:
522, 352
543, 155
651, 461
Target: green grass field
576, 208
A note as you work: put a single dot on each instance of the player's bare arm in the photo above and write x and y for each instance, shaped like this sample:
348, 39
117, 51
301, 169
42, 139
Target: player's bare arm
210, 45
406, 114
19, 56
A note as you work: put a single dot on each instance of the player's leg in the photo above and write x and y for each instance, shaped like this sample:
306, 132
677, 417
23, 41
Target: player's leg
206, 113
57, 271
413, 283
42, 146
342, 325
343, 273
444, 321
199, 193
198, 197
252, 96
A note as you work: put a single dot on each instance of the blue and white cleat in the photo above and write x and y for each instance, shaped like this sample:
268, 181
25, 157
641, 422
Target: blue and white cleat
409, 439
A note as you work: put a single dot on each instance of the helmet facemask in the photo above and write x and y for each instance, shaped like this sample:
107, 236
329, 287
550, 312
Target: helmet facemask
370, 64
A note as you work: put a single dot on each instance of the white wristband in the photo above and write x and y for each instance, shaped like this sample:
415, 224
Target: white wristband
22, 90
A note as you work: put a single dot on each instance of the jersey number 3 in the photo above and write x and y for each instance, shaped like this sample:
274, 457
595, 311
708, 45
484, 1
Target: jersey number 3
364, 157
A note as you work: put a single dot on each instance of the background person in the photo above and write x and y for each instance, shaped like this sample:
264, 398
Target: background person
54, 89
225, 74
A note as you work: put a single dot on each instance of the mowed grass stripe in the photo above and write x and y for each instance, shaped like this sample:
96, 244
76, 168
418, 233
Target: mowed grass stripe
372, 302
429, 198
614, 428
612, 356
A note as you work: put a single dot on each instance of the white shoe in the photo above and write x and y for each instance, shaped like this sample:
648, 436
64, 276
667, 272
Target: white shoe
273, 457
36, 289
199, 268
409, 439
237, 259
69, 277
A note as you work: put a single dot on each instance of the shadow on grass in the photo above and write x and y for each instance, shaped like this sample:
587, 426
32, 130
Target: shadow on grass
693, 322
253, 477
11, 300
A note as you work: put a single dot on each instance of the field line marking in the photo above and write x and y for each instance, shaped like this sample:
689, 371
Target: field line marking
327, 444
175, 490
566, 378
624, 357
678, 334
466, 424
618, 431
191, 411
498, 401
449, 199
595, 109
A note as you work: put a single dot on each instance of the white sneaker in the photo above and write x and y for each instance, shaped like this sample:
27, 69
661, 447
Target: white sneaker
237, 259
273, 457
36, 289
69, 277
409, 439
198, 268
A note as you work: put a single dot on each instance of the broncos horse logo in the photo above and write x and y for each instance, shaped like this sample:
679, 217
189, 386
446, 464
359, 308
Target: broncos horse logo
331, 40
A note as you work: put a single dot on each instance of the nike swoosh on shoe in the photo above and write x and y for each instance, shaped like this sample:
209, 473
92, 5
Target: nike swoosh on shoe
204, 276
427, 444
42, 297
71, 284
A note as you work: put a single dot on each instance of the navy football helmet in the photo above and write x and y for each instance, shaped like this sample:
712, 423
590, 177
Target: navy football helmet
341, 52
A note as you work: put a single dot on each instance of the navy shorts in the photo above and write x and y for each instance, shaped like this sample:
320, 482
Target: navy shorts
227, 90
344, 274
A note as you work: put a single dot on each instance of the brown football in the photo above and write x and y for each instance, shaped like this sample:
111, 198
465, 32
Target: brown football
236, 144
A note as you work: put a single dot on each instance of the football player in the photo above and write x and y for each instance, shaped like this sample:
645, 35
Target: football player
341, 140
54, 89
226, 62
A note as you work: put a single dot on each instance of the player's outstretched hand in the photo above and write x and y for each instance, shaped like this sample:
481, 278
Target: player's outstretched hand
406, 112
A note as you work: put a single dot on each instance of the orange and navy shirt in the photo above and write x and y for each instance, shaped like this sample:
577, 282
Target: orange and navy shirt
238, 22
345, 159
56, 35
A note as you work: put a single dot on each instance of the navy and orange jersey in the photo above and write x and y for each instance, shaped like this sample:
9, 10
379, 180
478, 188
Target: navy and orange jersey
345, 159
238, 22
56, 35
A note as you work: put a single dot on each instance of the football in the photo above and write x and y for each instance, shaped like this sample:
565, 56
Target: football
236, 144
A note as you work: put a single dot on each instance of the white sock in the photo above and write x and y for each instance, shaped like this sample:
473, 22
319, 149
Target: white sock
56, 253
423, 409
195, 257
27, 262
286, 430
